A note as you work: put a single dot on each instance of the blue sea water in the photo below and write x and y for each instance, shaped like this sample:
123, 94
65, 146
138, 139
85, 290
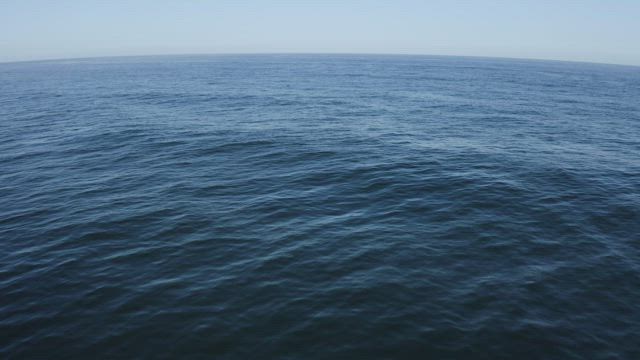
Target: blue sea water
319, 207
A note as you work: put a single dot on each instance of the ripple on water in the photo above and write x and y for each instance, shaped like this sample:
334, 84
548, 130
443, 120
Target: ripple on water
319, 207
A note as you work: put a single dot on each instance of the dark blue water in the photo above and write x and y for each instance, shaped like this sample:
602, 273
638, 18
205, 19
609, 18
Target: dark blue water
319, 207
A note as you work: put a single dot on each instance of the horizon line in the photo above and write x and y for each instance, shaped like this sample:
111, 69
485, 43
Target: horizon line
316, 53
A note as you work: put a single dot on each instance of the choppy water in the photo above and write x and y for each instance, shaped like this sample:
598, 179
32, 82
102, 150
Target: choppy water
319, 207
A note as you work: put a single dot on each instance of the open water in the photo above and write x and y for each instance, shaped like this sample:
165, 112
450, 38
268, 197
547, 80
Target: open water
319, 207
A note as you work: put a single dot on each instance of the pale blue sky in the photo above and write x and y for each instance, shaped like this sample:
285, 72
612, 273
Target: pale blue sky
587, 30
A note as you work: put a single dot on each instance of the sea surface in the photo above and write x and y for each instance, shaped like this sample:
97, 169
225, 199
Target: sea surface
319, 207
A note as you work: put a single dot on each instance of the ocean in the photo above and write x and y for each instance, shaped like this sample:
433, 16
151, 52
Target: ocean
319, 207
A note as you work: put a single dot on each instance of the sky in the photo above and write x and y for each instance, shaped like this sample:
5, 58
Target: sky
585, 30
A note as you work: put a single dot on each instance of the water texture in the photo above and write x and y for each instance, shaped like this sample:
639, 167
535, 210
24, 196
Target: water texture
319, 207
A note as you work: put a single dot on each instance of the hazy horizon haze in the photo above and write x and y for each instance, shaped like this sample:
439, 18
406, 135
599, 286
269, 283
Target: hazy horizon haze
589, 31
